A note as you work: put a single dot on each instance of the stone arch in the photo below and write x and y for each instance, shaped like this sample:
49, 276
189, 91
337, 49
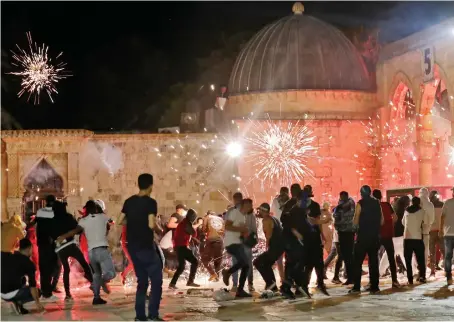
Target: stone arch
398, 134
53, 161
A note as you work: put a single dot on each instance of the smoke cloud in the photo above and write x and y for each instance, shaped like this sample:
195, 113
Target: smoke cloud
102, 155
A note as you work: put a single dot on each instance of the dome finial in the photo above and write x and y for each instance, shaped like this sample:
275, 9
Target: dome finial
298, 8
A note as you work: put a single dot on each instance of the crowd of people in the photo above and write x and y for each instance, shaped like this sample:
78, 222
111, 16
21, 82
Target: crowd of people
297, 232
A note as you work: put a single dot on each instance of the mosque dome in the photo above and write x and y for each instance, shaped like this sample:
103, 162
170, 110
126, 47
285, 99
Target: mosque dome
298, 52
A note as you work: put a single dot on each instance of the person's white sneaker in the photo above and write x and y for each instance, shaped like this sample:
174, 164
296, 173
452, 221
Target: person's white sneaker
51, 298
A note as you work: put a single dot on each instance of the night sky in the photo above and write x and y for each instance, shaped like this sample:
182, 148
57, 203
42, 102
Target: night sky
101, 40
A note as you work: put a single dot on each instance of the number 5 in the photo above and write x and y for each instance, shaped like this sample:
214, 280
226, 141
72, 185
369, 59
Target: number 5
427, 61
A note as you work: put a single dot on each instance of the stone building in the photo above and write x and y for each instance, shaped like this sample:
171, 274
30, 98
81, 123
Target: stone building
388, 128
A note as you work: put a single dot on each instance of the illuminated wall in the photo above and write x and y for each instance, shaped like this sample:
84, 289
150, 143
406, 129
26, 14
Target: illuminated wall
343, 162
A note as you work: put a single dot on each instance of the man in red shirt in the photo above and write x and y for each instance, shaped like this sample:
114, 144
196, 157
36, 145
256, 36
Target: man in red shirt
185, 230
387, 234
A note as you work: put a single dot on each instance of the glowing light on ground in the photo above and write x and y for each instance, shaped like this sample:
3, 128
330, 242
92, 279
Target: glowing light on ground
280, 152
37, 71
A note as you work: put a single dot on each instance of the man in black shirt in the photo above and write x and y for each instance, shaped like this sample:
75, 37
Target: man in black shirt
48, 258
313, 255
293, 223
15, 267
369, 219
139, 216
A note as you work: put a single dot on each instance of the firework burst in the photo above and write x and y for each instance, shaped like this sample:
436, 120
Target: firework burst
280, 152
37, 71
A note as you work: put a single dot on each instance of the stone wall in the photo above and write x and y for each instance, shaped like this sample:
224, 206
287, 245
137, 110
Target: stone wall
185, 170
190, 169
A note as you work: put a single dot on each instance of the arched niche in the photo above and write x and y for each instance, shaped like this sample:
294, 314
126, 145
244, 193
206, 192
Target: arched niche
41, 181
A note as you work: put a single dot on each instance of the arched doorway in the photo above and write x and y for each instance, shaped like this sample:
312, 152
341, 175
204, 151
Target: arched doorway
42, 180
398, 140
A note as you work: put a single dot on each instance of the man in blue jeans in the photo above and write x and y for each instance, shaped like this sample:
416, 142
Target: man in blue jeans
139, 216
447, 231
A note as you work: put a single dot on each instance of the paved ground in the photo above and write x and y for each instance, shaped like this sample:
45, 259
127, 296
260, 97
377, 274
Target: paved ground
432, 301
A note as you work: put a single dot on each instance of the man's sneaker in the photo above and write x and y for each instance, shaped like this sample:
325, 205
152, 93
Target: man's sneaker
106, 288
396, 284
156, 318
51, 298
449, 281
234, 289
19, 308
287, 293
68, 297
336, 281
354, 291
322, 288
140, 319
373, 291
173, 287
242, 294
251, 288
192, 284
367, 288
98, 301
213, 278
304, 291
226, 277
422, 280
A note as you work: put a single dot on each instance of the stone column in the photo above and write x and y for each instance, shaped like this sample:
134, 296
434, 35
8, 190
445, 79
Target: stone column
425, 148
73, 199
13, 203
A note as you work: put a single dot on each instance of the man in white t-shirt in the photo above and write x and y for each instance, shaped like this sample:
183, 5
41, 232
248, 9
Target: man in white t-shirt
235, 229
96, 227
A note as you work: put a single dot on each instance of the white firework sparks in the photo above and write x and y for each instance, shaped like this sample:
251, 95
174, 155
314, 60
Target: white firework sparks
37, 72
280, 152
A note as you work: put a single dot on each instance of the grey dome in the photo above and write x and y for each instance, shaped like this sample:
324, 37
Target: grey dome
298, 52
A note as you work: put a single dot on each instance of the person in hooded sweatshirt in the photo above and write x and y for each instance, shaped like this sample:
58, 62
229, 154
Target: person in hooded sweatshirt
369, 219
429, 209
413, 220
48, 259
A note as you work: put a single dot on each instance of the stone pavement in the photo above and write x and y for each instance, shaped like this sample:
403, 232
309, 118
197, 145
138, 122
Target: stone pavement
431, 301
